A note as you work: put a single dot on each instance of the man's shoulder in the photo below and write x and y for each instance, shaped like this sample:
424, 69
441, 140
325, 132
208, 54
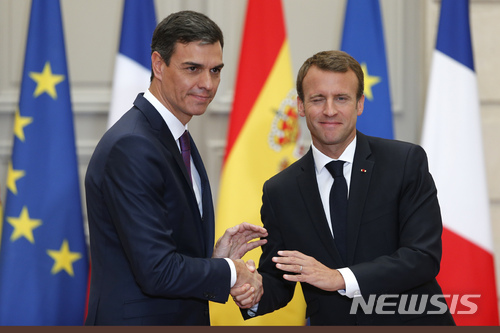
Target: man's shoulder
390, 146
394, 153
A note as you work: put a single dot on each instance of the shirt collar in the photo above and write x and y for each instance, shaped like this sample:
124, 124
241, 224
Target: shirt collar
174, 125
320, 159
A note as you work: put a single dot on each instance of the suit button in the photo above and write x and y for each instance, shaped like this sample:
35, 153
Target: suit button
208, 295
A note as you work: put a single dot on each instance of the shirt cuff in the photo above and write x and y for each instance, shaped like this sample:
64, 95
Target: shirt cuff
233, 272
351, 283
252, 312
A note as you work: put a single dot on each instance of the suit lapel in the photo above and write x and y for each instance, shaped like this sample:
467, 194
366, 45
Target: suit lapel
206, 230
206, 199
362, 170
164, 135
308, 187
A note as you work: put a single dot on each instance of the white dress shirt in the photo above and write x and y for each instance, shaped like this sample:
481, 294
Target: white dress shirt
325, 182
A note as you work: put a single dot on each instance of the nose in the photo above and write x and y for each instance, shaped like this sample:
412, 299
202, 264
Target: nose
206, 80
330, 109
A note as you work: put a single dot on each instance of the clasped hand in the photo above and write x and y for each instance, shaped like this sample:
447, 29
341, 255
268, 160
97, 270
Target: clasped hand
248, 288
235, 242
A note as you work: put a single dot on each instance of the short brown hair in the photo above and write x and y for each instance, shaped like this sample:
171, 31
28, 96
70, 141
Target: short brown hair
184, 27
333, 61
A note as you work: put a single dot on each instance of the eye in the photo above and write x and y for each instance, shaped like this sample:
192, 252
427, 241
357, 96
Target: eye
192, 68
317, 100
216, 70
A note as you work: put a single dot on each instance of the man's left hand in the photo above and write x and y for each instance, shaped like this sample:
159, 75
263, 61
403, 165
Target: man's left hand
308, 270
236, 241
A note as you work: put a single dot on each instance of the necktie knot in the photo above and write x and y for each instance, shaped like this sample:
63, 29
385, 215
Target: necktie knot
336, 168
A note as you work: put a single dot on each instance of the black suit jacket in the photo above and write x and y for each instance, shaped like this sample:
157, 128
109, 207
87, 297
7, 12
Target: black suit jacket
394, 234
150, 247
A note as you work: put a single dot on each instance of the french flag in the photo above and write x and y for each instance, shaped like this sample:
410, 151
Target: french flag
133, 61
453, 141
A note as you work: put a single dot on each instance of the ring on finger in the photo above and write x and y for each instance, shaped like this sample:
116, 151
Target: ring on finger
300, 268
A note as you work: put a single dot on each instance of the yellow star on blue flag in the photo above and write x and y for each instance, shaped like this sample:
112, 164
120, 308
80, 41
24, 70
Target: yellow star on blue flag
23, 226
12, 177
370, 81
43, 281
63, 259
20, 123
46, 81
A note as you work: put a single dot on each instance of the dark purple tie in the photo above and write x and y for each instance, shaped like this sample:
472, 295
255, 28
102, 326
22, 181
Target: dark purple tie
338, 206
186, 151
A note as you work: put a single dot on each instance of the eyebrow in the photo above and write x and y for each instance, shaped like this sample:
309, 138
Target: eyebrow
316, 95
195, 64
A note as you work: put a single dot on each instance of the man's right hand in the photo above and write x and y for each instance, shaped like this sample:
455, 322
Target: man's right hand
248, 288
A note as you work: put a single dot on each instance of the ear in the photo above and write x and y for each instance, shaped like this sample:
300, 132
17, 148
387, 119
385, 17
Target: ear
361, 105
300, 107
157, 65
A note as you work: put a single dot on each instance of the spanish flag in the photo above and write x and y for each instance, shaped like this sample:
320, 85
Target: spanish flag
265, 136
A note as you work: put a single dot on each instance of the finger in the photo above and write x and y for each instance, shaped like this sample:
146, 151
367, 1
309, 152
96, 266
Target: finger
251, 234
238, 291
295, 277
246, 302
288, 268
294, 254
253, 228
230, 232
256, 244
247, 305
243, 298
289, 260
251, 265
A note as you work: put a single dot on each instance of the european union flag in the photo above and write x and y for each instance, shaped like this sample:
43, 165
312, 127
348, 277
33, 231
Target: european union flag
43, 255
363, 38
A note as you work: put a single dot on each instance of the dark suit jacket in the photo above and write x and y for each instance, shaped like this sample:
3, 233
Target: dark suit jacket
150, 247
394, 233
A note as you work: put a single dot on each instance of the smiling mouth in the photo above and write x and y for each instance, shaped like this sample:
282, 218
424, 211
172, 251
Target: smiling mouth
330, 123
202, 97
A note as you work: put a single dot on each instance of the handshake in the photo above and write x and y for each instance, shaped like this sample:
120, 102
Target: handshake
248, 288
297, 266
235, 242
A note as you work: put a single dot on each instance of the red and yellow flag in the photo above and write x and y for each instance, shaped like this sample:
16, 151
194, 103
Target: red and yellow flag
265, 136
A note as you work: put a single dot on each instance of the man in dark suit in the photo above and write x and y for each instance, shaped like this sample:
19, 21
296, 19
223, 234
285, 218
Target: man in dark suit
150, 211
383, 245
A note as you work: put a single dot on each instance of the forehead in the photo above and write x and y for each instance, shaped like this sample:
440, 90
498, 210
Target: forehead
318, 81
198, 51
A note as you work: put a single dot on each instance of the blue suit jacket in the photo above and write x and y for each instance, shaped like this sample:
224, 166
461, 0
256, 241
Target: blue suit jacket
393, 234
150, 247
